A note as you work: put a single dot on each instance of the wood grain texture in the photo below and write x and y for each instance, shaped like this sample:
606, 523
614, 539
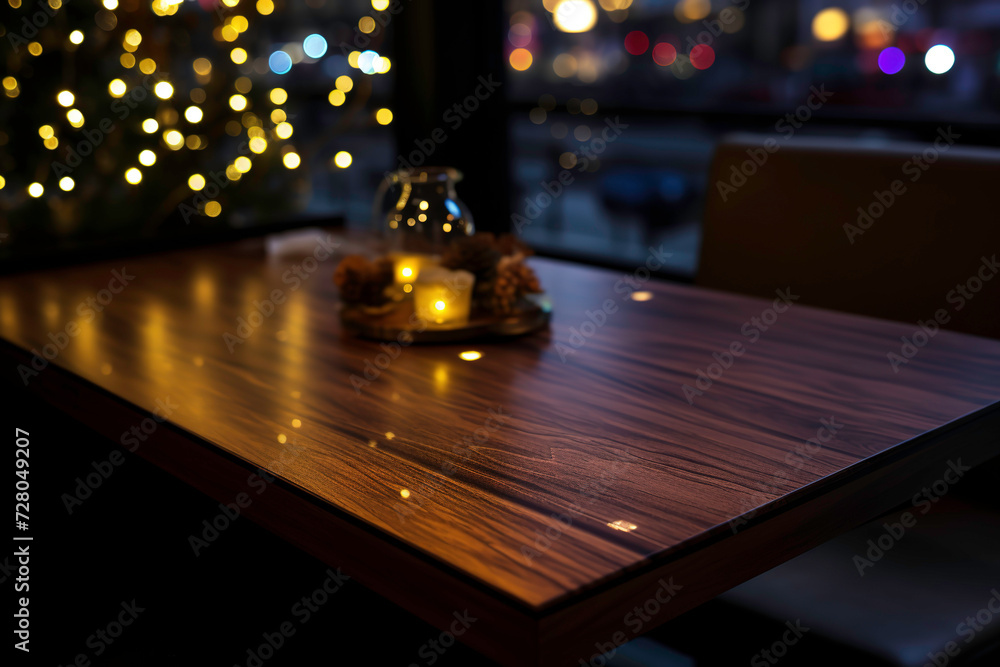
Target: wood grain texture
606, 435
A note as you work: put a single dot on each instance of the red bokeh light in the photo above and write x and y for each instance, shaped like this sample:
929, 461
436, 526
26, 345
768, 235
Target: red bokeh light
664, 54
702, 56
636, 42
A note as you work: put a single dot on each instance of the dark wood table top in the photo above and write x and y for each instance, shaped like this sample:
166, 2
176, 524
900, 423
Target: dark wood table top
552, 484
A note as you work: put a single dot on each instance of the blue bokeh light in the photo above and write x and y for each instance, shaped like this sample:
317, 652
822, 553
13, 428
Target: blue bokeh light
280, 62
366, 61
314, 46
453, 208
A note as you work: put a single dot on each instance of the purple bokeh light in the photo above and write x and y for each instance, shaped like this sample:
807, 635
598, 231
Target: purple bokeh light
891, 60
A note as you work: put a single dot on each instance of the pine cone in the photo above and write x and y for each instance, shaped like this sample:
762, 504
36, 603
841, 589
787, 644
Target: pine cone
476, 254
361, 281
514, 280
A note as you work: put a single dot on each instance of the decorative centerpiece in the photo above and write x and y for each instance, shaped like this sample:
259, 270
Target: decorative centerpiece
437, 279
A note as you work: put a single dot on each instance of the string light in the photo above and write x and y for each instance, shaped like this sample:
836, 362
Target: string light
163, 90
133, 175
193, 114
196, 182
117, 88
36, 190
66, 183
343, 159
150, 125
76, 37
291, 160
147, 158
66, 98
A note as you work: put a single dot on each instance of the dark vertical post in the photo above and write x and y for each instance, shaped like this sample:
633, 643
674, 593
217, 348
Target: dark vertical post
447, 51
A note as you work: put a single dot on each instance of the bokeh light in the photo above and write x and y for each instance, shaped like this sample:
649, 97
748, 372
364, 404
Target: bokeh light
314, 46
702, 56
664, 54
343, 159
636, 42
939, 59
830, 24
280, 62
521, 59
574, 15
891, 60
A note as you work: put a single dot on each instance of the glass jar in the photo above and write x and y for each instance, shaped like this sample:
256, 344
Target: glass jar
418, 212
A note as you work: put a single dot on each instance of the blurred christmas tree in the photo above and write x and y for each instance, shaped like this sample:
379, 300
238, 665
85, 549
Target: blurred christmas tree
125, 118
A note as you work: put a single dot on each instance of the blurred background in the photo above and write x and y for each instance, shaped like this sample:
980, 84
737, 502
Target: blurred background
130, 122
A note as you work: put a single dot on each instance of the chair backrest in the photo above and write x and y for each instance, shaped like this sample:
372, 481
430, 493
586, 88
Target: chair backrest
887, 229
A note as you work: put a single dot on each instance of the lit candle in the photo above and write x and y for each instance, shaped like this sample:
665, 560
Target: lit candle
407, 267
443, 297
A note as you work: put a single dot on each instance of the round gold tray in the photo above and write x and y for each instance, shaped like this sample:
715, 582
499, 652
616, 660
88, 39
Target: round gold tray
531, 314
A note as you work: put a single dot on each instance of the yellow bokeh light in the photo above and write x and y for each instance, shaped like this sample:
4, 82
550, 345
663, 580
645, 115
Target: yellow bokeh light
283, 130
344, 83
196, 182
383, 116
232, 173
470, 355
366, 24
163, 90
278, 116
380, 5
440, 305
643, 295
238, 55
147, 65
51, 143
147, 158
150, 125
258, 145
3, 182
243, 85
66, 183
173, 139
46, 131
229, 33
291, 160
117, 88
9, 82
36, 190
240, 23
688, 11
127, 60
75, 117
254, 131
202, 66
446, 227
35, 49
110, 4
405, 493
352, 58
383, 65
237, 103
337, 97
830, 24
66, 98
213, 209
265, 7
193, 114
574, 15
279, 96
133, 175
76, 37
242, 164
343, 159
133, 37
193, 142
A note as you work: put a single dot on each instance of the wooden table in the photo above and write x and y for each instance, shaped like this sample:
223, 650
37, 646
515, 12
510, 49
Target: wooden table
561, 489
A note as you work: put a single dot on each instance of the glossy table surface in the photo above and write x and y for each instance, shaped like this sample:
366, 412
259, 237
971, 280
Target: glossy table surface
554, 465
